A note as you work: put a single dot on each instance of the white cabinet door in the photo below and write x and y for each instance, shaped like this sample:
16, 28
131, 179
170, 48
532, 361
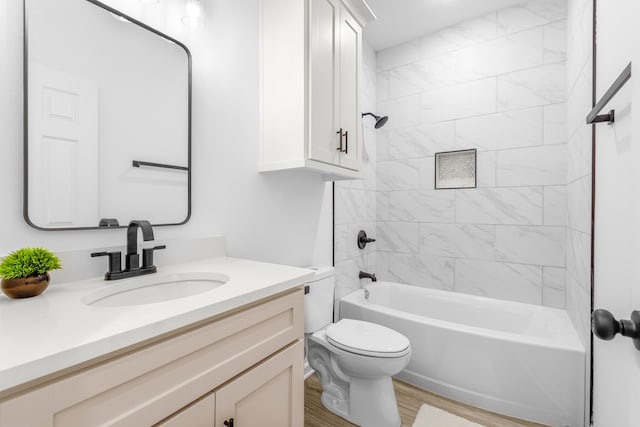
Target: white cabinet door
324, 138
350, 65
270, 394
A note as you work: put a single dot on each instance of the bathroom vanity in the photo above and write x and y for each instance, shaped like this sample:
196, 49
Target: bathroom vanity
230, 354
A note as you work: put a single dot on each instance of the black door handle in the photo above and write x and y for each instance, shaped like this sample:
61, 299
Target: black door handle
605, 326
229, 422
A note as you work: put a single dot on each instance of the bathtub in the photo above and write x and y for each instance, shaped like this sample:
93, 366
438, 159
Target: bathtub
521, 360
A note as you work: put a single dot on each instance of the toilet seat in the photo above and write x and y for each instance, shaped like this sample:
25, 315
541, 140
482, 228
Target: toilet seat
367, 339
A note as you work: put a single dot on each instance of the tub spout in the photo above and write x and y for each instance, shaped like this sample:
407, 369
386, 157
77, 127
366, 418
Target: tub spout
364, 275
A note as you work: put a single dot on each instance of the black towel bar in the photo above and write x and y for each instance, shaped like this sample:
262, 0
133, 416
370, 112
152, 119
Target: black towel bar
593, 116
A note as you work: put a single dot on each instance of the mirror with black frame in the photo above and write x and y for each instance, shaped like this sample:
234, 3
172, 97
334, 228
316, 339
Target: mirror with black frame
107, 119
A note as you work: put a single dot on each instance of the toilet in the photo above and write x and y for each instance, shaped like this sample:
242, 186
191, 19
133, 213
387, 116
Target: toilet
354, 359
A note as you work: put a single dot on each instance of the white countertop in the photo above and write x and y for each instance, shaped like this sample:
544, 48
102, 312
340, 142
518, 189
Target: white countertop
56, 330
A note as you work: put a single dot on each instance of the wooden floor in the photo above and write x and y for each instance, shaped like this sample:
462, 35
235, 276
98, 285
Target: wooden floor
410, 399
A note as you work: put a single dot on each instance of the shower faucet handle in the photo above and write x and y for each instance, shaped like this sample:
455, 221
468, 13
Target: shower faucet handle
363, 239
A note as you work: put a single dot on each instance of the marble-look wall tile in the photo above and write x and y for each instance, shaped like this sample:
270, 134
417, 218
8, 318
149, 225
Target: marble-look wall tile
485, 169
519, 128
458, 240
555, 205
351, 205
578, 307
382, 206
398, 237
396, 56
382, 265
421, 270
398, 174
514, 282
579, 256
402, 112
421, 76
579, 152
346, 246
539, 245
467, 33
496, 84
579, 100
555, 42
427, 174
533, 13
579, 38
555, 124
535, 86
382, 145
514, 205
459, 101
382, 86
422, 206
545, 165
553, 287
504, 55
420, 141
579, 203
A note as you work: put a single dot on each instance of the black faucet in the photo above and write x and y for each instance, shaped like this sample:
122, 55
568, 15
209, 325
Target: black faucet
364, 275
132, 258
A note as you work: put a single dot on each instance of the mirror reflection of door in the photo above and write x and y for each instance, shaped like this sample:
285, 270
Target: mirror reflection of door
63, 148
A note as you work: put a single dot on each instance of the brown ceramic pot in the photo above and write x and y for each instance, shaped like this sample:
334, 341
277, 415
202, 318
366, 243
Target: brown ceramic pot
25, 287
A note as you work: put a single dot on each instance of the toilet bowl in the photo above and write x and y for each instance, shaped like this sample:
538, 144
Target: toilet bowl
354, 359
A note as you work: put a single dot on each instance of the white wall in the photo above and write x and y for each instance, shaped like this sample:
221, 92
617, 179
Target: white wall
497, 84
279, 217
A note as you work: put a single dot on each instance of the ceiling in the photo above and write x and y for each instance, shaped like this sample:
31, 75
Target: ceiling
403, 20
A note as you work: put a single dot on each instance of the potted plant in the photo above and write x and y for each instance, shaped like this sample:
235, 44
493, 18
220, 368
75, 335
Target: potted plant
25, 272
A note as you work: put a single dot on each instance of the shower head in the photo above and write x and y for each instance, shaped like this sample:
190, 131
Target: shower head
380, 121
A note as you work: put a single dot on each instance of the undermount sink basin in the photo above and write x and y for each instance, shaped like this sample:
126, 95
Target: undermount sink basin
154, 288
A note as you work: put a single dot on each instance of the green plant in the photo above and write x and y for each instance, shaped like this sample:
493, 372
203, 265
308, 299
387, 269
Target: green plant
27, 262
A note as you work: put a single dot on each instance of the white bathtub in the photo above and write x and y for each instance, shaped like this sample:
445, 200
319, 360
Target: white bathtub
521, 360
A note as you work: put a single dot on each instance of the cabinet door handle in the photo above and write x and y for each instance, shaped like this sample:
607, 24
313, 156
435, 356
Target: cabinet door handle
340, 147
346, 142
229, 422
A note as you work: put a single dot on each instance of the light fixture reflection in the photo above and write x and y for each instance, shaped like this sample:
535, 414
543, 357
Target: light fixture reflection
193, 13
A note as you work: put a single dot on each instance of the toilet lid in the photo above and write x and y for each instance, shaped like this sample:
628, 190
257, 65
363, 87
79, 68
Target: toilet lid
369, 339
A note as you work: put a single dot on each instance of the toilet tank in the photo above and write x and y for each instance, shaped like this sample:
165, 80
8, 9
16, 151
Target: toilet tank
318, 302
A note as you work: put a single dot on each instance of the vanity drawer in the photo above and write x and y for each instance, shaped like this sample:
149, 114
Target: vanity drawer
146, 385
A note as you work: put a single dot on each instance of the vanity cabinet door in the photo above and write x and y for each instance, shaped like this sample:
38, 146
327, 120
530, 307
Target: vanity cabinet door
199, 414
270, 394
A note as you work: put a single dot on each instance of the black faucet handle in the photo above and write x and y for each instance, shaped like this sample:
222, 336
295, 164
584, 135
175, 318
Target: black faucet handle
147, 255
115, 260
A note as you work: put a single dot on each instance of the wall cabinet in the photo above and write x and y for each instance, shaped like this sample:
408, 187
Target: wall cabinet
247, 366
311, 74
